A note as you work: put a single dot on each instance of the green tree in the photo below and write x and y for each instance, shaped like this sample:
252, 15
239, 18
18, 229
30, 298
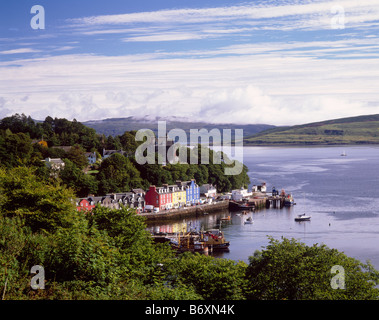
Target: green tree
212, 278
77, 156
43, 206
118, 174
128, 142
16, 149
82, 184
140, 256
291, 270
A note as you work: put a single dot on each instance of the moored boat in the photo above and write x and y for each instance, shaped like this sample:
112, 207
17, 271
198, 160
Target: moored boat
302, 217
211, 240
289, 201
214, 239
238, 205
249, 221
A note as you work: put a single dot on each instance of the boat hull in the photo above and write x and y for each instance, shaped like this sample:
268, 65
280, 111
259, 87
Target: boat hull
303, 218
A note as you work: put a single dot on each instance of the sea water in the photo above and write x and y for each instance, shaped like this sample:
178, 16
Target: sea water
341, 193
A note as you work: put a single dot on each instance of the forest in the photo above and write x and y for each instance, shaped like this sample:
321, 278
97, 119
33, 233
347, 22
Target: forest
19, 137
109, 254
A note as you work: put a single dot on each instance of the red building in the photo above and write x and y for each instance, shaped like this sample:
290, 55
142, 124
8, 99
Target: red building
84, 205
160, 198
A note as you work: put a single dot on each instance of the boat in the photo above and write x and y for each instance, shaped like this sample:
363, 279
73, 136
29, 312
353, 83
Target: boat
225, 219
239, 205
302, 217
249, 221
289, 201
211, 240
343, 154
214, 239
187, 242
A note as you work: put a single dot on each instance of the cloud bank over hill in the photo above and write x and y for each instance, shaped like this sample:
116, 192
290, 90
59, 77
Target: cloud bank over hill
278, 62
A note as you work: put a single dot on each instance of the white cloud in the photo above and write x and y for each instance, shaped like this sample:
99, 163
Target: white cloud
243, 80
167, 36
292, 16
244, 88
19, 51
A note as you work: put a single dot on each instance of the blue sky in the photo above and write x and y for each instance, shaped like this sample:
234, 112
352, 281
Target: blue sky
279, 62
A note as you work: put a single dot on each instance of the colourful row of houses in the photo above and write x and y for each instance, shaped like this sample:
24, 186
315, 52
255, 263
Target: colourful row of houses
183, 193
173, 196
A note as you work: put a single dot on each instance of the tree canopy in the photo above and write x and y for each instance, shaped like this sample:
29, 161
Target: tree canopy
291, 270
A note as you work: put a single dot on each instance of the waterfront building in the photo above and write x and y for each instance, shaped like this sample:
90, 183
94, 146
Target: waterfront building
159, 197
192, 191
239, 194
133, 200
178, 195
208, 191
261, 188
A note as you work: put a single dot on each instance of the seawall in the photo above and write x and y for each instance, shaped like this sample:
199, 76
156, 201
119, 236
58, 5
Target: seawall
186, 211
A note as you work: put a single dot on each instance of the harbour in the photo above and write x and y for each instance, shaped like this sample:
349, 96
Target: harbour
191, 237
323, 184
255, 202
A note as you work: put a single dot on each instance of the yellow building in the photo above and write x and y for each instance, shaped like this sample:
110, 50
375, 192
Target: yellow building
179, 196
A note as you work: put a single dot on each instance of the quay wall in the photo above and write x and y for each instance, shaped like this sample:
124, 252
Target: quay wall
186, 211
260, 203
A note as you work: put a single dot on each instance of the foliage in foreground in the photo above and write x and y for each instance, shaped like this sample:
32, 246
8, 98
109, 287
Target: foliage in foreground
109, 255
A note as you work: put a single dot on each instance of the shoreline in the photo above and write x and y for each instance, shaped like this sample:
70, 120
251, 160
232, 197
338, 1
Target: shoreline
185, 212
200, 210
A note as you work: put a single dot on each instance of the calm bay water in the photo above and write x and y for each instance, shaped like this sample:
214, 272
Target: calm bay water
340, 193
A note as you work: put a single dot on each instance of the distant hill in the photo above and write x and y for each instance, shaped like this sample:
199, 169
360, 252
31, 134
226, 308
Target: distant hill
352, 130
117, 126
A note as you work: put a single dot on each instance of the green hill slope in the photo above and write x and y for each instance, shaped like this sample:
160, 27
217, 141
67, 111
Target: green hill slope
353, 130
117, 126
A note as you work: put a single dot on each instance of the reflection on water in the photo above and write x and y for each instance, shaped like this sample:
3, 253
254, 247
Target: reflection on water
340, 193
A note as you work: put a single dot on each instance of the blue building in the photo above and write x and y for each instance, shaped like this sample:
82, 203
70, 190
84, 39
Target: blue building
192, 191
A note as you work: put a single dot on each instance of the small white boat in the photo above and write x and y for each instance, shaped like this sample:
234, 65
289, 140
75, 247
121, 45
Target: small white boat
249, 221
343, 154
302, 217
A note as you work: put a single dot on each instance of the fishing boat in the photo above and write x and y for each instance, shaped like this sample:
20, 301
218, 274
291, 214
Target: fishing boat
249, 221
239, 205
302, 217
289, 201
211, 240
187, 242
214, 239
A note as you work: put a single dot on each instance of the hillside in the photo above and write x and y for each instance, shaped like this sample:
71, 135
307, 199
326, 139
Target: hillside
352, 130
117, 126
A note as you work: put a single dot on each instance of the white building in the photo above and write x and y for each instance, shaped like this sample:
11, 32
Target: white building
239, 194
208, 190
261, 188
55, 164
